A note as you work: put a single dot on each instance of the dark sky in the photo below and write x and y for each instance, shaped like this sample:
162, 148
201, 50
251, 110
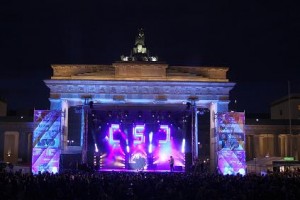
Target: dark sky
258, 40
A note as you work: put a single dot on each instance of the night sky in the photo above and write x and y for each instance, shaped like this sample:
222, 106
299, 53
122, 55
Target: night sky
258, 40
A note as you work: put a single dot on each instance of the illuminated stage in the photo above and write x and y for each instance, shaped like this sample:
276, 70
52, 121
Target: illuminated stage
135, 141
133, 114
138, 137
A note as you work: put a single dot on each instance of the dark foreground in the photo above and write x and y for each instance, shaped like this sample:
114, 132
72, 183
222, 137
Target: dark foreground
148, 186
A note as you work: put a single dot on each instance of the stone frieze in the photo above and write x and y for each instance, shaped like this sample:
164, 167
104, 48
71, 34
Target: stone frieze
117, 89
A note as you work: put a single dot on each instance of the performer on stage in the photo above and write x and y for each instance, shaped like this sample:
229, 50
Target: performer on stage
171, 161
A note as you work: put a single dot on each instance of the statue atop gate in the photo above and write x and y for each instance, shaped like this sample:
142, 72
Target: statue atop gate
140, 38
139, 51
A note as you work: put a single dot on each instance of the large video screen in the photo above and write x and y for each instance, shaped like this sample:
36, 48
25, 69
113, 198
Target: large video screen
140, 146
231, 142
46, 141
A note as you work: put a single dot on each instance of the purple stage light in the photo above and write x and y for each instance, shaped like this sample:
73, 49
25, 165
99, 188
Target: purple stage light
141, 149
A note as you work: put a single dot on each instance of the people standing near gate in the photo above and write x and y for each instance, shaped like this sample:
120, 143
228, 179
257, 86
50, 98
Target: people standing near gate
171, 163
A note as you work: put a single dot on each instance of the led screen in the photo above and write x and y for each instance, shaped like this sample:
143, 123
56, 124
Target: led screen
46, 141
231, 142
140, 147
231, 162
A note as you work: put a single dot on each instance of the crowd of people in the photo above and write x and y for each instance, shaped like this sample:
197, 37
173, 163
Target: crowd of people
148, 186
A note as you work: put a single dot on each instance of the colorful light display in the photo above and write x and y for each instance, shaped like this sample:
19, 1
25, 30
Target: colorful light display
46, 141
231, 143
143, 148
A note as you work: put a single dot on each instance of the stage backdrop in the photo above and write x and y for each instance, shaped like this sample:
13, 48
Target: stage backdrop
230, 132
140, 146
46, 141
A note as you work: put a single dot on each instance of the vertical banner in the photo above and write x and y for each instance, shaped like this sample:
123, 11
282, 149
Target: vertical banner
230, 130
46, 141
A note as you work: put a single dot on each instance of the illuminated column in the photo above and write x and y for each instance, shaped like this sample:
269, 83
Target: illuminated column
84, 132
194, 127
64, 124
213, 138
196, 132
63, 105
55, 104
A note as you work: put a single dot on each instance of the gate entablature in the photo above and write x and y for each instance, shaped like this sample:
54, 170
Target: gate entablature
138, 92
